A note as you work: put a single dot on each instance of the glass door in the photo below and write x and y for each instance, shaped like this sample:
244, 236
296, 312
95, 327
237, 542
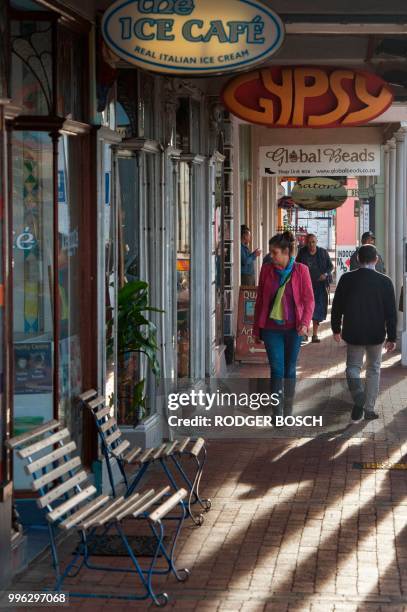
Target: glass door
183, 267
32, 219
70, 282
219, 254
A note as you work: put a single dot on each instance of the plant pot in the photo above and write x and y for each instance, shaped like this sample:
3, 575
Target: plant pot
147, 434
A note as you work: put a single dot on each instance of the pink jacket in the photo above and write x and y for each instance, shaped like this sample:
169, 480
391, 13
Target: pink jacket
302, 292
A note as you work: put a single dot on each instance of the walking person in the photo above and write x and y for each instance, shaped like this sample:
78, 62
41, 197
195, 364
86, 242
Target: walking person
247, 258
320, 267
364, 315
367, 238
282, 315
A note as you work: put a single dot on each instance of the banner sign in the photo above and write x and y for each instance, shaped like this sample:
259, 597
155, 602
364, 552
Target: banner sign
307, 96
319, 193
192, 36
320, 160
343, 255
247, 349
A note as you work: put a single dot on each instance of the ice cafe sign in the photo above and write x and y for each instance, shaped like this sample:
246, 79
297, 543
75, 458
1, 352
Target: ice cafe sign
307, 96
194, 37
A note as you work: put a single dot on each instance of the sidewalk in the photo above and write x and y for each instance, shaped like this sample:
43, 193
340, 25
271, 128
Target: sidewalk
294, 525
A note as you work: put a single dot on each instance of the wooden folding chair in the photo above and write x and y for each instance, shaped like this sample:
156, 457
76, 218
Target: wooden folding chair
114, 447
70, 503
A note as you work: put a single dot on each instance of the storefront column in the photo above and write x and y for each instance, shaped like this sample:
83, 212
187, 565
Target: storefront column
391, 255
399, 215
404, 262
6, 485
236, 211
386, 205
380, 212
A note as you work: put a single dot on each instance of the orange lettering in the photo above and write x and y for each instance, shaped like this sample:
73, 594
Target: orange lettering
374, 104
284, 92
303, 91
335, 81
241, 110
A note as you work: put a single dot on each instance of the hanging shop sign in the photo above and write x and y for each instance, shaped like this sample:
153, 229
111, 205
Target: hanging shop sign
320, 160
319, 193
308, 96
192, 36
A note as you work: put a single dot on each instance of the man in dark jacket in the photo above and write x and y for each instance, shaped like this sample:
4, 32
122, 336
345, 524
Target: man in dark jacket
320, 267
367, 238
364, 315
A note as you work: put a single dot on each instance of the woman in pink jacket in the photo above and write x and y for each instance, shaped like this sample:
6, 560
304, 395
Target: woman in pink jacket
283, 312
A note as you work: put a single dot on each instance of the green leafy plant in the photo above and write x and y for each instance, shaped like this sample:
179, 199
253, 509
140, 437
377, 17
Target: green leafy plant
136, 335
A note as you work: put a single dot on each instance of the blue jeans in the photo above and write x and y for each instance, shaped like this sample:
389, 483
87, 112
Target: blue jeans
282, 348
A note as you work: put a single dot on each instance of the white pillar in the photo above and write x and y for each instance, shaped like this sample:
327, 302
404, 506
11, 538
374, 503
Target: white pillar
404, 259
400, 213
392, 210
386, 206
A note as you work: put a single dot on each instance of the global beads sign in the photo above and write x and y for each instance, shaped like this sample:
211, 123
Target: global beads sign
319, 193
194, 37
307, 96
320, 160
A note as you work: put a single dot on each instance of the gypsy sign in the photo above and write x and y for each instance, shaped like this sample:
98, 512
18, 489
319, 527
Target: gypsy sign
307, 97
192, 36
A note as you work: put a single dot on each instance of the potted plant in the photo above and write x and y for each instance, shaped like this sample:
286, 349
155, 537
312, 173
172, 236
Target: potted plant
136, 335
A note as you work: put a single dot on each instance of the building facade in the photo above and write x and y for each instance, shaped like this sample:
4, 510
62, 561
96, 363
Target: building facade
110, 175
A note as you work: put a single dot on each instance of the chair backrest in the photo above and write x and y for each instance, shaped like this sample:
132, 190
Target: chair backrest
57, 473
111, 437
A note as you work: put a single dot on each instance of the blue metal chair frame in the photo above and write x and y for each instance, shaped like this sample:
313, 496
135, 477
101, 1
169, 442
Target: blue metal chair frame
114, 447
58, 477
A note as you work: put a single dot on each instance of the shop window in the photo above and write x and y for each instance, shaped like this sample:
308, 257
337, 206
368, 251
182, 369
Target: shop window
219, 253
32, 183
184, 270
128, 270
127, 93
188, 121
31, 83
129, 227
195, 126
183, 125
71, 70
110, 284
146, 108
3, 404
70, 204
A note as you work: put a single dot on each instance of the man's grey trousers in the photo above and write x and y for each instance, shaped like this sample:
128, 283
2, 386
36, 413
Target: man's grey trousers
364, 394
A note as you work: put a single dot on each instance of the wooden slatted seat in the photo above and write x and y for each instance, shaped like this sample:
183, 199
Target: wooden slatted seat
115, 447
70, 501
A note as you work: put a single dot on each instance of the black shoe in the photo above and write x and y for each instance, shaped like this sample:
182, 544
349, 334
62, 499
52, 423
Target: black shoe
315, 339
357, 414
371, 416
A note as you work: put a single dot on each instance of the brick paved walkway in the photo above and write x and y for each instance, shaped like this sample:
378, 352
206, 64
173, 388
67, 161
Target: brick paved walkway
294, 526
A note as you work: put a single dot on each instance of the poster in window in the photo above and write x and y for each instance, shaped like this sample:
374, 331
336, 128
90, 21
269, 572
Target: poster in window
32, 368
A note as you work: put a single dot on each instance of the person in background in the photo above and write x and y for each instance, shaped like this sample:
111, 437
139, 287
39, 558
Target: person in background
367, 238
282, 314
268, 258
320, 267
247, 258
364, 315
